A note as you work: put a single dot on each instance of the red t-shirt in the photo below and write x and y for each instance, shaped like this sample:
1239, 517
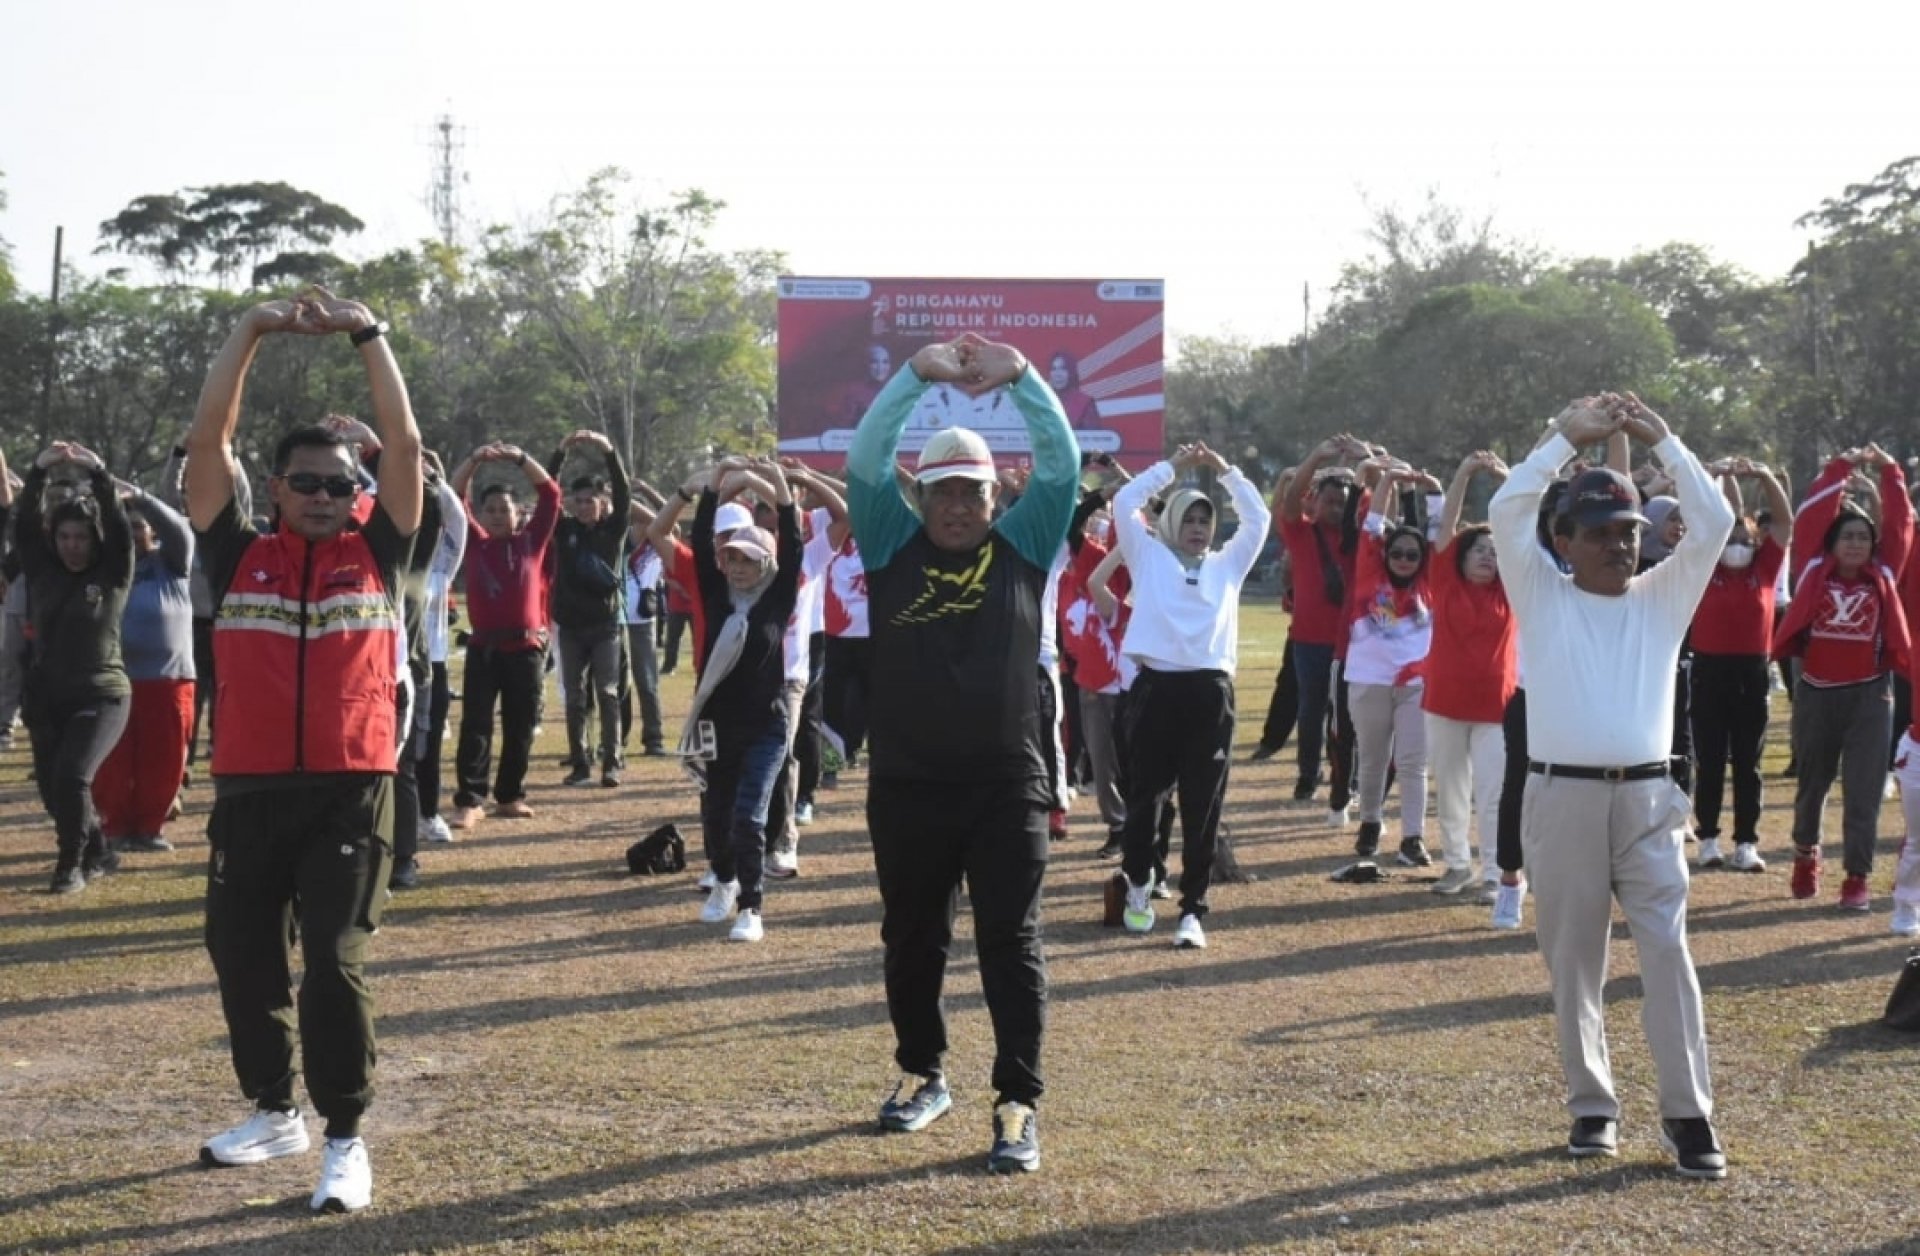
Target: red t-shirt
1845, 643
1735, 615
681, 570
506, 577
1316, 621
1470, 665
1092, 644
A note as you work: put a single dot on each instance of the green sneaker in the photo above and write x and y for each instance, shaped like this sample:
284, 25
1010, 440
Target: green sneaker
1137, 916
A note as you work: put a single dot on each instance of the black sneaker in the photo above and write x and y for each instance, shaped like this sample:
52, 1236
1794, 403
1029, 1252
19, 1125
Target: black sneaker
829, 780
1696, 1151
579, 776
610, 778
1016, 1139
405, 874
906, 1111
68, 879
99, 861
1263, 752
1303, 791
1367, 842
1413, 854
1594, 1136
147, 844
1109, 852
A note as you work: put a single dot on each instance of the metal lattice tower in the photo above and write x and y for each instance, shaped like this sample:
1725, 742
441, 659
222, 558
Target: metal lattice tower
443, 193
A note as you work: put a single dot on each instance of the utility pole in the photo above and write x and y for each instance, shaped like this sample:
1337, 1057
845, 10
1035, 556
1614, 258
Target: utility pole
1306, 323
53, 345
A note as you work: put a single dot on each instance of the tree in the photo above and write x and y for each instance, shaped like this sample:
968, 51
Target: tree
667, 343
263, 230
7, 283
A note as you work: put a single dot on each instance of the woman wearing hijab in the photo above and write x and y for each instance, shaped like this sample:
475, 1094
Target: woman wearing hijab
1185, 637
77, 560
1389, 633
1850, 633
736, 738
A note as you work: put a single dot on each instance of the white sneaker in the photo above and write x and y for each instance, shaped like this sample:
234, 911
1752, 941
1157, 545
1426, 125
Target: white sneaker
720, 902
803, 814
707, 881
434, 829
266, 1135
783, 862
1340, 819
1506, 905
1746, 858
346, 1179
747, 928
1709, 855
1189, 935
1906, 920
1892, 788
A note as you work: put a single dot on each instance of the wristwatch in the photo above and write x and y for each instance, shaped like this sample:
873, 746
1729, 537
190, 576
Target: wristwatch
373, 331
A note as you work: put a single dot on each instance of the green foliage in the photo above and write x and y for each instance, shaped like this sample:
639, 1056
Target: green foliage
262, 230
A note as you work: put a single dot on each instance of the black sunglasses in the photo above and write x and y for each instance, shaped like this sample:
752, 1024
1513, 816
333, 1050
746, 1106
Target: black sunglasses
307, 483
1404, 555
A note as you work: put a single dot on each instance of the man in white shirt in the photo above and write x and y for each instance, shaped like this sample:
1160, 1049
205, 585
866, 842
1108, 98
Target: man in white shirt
1602, 818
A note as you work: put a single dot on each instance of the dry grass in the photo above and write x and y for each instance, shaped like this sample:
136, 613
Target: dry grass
572, 1063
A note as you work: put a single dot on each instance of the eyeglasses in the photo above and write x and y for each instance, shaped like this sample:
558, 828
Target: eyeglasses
1404, 555
307, 483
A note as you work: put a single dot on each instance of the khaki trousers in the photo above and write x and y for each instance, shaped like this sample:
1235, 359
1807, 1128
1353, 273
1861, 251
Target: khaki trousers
1588, 843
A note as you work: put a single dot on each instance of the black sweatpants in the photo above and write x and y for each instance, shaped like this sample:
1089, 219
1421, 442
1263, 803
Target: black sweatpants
1179, 736
926, 837
70, 741
1513, 784
1729, 705
1283, 710
844, 692
426, 754
515, 678
325, 846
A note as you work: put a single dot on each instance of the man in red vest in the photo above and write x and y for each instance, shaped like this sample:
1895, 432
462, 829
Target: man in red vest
307, 637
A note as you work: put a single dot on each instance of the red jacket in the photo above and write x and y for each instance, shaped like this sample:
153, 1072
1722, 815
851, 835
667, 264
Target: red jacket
306, 642
1816, 514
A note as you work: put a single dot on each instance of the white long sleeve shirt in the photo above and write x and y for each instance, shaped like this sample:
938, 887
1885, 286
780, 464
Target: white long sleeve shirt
1600, 670
1186, 620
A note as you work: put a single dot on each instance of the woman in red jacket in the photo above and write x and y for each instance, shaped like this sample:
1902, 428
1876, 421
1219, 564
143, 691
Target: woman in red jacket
1847, 626
1469, 678
1729, 683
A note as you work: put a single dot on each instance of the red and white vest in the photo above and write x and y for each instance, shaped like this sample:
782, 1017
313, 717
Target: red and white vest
304, 645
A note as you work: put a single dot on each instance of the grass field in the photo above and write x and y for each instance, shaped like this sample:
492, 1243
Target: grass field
571, 1063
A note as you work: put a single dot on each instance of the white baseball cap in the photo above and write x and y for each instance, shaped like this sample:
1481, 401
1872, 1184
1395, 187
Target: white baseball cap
731, 518
955, 452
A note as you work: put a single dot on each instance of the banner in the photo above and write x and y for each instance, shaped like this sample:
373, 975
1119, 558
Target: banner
1096, 341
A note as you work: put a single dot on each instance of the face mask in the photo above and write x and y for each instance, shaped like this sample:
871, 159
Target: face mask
1737, 556
1099, 529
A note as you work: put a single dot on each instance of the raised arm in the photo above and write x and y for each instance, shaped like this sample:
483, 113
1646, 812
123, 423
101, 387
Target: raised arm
1037, 523
1779, 507
1099, 584
170, 530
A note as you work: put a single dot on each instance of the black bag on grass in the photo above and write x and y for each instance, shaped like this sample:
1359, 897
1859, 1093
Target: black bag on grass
658, 853
1903, 1006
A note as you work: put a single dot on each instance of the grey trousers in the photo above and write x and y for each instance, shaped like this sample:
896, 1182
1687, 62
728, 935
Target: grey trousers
13, 649
1588, 843
1388, 724
1098, 712
1844, 733
590, 672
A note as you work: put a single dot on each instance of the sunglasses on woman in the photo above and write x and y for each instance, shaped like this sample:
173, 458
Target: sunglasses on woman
1404, 555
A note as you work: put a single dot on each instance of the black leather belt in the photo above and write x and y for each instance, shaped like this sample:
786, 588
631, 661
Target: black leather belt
1638, 772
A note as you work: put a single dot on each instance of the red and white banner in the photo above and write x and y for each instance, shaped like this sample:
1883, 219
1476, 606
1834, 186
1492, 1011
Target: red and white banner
1097, 342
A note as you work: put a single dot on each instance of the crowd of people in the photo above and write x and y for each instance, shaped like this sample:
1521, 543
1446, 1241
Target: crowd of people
1574, 675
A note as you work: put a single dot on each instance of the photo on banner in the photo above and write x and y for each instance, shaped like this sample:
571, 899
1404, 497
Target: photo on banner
1098, 342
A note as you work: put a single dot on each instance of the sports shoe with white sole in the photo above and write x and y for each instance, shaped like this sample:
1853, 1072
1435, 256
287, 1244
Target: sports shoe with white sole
1137, 916
1016, 1139
1188, 935
1906, 920
434, 829
346, 1177
706, 882
266, 1135
1746, 858
720, 902
1489, 893
747, 926
1341, 818
783, 862
917, 1101
1453, 880
1709, 855
803, 814
1507, 905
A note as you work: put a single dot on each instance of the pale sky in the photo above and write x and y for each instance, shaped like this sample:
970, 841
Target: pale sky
1232, 150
